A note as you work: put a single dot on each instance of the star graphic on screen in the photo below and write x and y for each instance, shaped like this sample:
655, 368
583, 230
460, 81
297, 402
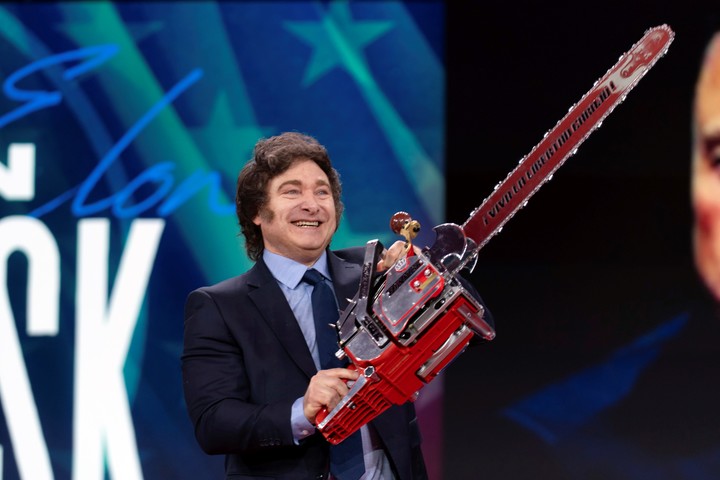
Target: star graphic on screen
337, 41
224, 142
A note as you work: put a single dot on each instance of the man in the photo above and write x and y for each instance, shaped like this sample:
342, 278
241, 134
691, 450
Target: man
252, 376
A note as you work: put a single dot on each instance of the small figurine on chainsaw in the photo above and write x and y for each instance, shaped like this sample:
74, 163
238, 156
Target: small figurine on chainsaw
402, 224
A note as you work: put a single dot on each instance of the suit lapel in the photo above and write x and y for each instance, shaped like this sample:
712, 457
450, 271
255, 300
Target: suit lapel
270, 301
345, 277
273, 307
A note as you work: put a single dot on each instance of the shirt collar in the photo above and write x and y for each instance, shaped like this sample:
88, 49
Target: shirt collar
289, 272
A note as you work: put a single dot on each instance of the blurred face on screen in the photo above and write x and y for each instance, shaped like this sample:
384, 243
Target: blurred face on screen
706, 170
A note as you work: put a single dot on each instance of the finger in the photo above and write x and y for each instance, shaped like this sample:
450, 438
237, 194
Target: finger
344, 373
381, 264
327, 384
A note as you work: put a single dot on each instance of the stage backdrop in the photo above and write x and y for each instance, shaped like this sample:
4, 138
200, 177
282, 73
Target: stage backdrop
122, 129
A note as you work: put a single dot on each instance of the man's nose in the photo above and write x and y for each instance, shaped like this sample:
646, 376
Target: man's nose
309, 202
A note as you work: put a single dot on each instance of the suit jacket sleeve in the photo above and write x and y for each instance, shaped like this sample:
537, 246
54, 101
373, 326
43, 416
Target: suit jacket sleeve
222, 396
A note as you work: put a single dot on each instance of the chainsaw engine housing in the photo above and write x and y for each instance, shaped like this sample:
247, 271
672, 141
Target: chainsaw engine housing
401, 329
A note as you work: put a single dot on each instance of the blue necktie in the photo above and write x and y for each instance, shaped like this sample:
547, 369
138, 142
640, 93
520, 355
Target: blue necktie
346, 458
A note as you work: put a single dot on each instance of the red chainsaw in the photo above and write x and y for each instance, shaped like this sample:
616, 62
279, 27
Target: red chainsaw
406, 324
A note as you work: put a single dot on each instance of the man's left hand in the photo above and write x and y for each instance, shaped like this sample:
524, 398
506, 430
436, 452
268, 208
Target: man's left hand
393, 254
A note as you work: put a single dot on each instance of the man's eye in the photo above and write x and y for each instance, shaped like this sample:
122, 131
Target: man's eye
293, 191
323, 193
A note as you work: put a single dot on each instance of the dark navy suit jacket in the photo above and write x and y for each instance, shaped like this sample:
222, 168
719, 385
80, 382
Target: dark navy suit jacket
245, 362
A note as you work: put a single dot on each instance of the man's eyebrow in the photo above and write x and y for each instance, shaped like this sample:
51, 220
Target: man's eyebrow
298, 183
295, 183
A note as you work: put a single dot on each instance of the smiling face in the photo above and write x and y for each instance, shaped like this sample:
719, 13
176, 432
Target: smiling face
299, 218
706, 170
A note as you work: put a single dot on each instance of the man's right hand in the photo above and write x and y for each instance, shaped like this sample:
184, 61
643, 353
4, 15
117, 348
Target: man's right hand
326, 389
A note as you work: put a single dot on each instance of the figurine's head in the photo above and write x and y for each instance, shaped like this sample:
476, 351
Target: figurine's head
402, 224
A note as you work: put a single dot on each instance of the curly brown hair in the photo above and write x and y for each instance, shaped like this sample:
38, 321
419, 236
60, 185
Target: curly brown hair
271, 157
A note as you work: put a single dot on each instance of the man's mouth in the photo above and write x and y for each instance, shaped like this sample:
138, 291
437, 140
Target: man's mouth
306, 224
